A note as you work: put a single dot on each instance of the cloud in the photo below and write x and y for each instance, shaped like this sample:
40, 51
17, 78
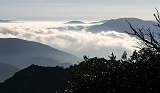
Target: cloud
76, 42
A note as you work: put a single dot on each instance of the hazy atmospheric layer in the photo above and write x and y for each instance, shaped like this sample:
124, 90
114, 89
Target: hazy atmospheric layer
77, 42
76, 9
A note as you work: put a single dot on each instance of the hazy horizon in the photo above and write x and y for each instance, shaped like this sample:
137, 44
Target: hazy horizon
77, 10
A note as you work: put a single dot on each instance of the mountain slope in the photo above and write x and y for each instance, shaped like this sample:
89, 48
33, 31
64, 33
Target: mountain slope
6, 71
21, 53
121, 25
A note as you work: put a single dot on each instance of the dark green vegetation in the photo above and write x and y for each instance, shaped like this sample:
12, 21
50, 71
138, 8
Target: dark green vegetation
138, 74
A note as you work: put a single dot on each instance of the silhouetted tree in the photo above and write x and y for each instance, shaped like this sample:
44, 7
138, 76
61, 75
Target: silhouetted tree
85, 58
112, 57
134, 56
124, 56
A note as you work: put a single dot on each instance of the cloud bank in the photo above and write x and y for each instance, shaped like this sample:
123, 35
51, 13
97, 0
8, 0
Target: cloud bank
78, 43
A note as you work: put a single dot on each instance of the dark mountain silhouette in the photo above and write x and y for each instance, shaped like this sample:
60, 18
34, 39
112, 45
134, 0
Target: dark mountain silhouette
21, 53
121, 25
6, 71
75, 22
37, 79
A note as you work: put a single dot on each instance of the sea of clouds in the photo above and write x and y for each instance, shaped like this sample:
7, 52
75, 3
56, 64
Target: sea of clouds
77, 42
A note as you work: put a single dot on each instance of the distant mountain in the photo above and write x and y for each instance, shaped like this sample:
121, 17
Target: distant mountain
75, 22
99, 22
5, 21
22, 53
6, 71
37, 79
74, 28
121, 25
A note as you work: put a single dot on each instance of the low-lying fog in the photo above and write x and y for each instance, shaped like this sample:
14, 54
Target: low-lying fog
72, 38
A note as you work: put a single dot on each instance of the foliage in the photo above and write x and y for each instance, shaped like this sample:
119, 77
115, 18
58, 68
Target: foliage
139, 74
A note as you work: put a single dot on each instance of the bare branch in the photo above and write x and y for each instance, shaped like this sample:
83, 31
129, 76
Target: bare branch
157, 15
150, 42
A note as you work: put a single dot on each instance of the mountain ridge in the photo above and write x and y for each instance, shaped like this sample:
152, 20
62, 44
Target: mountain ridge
22, 53
121, 25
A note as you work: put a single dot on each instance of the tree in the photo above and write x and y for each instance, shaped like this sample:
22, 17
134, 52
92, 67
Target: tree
112, 57
134, 55
124, 56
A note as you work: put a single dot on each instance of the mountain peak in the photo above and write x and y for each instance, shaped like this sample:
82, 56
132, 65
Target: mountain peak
75, 22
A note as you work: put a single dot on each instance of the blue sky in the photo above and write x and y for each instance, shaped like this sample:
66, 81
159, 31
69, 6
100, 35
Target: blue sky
77, 9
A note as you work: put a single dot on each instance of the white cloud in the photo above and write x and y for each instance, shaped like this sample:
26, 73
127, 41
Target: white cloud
76, 42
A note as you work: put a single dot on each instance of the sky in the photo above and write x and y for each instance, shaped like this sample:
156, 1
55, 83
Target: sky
77, 9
